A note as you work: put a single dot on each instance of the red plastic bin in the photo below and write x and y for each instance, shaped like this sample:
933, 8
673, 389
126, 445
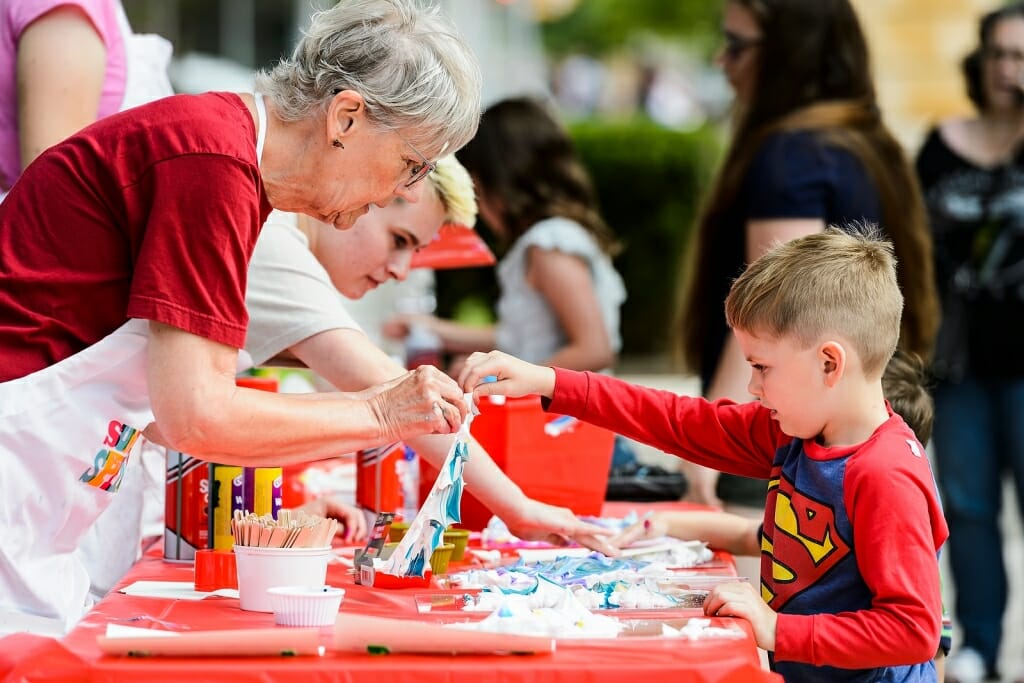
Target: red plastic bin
570, 469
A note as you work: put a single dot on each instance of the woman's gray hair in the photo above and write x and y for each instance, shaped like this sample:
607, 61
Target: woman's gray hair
409, 63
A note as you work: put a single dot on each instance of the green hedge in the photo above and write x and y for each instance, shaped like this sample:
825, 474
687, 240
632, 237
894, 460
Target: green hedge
649, 181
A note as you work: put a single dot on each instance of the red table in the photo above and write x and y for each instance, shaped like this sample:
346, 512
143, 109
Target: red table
76, 657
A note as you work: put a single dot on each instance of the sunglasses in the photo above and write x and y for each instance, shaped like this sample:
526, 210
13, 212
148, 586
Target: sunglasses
735, 45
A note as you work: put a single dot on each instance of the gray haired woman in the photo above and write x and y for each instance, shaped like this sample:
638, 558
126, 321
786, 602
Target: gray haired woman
123, 259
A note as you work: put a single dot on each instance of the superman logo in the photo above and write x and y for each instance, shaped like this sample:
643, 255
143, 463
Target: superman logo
803, 546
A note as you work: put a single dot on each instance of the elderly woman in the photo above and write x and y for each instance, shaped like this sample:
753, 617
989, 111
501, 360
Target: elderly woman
123, 260
296, 313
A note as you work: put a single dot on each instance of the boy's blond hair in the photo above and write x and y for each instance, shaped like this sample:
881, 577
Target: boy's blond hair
841, 282
454, 188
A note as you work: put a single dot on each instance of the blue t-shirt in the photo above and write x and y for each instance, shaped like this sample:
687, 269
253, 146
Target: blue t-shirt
793, 175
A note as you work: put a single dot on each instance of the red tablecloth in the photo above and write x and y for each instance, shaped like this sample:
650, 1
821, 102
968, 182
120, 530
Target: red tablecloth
77, 657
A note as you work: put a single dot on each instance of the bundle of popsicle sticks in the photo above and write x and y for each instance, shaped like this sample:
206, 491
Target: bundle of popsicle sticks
289, 530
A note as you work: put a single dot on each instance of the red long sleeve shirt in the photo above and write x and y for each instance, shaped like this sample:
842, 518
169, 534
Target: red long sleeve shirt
850, 536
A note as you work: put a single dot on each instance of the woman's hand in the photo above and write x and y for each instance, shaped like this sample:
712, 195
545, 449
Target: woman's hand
651, 526
742, 600
423, 401
537, 521
514, 377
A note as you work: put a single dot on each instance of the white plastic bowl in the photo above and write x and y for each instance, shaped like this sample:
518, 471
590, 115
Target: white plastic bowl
305, 605
260, 568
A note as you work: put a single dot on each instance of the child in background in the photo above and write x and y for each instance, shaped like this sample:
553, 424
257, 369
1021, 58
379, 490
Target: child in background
849, 584
560, 295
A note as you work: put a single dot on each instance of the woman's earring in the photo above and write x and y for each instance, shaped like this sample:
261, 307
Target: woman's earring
337, 143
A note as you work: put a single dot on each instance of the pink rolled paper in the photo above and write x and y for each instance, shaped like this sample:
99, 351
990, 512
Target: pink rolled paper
260, 642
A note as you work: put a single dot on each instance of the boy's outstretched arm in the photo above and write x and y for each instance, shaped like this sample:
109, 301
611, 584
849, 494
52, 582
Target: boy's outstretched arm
513, 377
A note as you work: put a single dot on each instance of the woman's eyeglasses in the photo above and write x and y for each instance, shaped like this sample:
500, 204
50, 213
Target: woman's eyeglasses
419, 171
735, 45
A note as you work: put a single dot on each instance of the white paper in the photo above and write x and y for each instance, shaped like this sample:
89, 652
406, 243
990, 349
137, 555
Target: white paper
174, 590
122, 631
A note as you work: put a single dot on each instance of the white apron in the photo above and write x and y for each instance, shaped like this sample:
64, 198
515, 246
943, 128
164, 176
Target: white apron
66, 433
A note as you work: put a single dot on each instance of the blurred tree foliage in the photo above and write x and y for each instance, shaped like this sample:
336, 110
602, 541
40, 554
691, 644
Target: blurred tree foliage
599, 26
649, 182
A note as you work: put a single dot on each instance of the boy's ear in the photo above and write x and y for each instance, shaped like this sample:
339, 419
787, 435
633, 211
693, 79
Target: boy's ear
345, 113
832, 357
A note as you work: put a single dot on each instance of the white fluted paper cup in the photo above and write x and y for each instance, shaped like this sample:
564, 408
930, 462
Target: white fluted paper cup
305, 605
263, 568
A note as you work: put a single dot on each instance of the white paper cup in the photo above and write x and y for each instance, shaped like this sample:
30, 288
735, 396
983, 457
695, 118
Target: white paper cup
305, 605
263, 568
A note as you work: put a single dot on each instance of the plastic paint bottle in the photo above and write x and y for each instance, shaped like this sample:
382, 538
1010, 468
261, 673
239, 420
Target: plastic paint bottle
408, 470
560, 425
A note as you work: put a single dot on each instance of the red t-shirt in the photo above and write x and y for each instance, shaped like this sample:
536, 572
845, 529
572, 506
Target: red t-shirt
152, 213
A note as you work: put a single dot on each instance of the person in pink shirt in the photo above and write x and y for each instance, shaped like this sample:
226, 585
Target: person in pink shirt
62, 66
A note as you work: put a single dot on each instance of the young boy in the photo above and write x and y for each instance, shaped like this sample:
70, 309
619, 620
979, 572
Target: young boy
903, 386
818, 319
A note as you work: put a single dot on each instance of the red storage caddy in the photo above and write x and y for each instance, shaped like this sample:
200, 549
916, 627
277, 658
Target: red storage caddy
568, 469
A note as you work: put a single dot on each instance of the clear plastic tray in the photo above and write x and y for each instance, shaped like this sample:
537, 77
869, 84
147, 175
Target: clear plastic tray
689, 590
650, 628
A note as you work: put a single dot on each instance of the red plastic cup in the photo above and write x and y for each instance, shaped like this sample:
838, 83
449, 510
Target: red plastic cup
215, 569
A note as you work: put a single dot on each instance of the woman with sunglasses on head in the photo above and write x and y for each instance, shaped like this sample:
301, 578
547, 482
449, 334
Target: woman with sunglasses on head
809, 149
123, 259
972, 174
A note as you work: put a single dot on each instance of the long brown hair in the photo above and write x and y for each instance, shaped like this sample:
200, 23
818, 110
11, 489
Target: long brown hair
813, 74
523, 156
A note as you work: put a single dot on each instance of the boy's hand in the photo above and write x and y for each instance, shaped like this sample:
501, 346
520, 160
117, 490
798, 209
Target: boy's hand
514, 377
742, 600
